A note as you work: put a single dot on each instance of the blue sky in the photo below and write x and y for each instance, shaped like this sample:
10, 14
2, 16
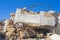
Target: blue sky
7, 6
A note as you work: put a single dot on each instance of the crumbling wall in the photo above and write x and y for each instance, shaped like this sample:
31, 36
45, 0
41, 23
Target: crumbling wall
41, 19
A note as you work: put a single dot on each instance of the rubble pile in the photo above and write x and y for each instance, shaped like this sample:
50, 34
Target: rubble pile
25, 24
